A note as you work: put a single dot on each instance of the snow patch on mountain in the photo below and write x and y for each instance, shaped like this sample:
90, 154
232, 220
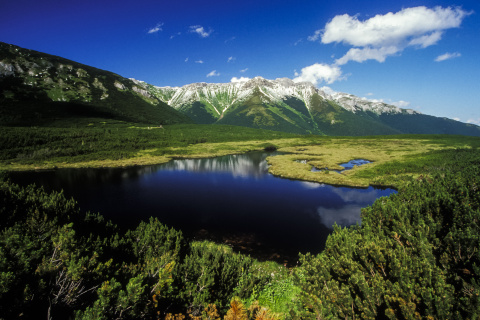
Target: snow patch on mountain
6, 69
221, 96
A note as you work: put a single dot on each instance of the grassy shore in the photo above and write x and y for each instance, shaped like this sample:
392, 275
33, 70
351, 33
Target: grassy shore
394, 159
123, 144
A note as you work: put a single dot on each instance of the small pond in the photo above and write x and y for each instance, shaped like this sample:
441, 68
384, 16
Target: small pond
230, 199
346, 166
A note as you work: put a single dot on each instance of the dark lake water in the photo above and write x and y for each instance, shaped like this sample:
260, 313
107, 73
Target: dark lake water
230, 199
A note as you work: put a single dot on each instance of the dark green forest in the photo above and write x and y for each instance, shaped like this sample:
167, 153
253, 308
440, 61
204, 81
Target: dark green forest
415, 256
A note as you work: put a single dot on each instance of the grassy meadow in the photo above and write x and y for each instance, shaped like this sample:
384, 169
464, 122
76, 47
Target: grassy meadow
394, 159
100, 144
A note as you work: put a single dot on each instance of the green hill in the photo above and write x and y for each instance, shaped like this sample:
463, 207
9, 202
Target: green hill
285, 105
261, 112
45, 90
42, 89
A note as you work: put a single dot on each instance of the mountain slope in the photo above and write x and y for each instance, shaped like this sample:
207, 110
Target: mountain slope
259, 111
284, 105
334, 120
38, 89
41, 89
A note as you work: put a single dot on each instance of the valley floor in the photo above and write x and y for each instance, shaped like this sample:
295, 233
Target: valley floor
394, 159
415, 255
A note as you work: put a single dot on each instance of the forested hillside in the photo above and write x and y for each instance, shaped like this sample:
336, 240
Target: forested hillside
41, 89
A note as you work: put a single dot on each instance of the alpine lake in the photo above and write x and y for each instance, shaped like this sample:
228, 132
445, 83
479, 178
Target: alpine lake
230, 199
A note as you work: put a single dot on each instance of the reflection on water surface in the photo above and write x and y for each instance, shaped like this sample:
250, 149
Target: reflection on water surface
346, 166
230, 199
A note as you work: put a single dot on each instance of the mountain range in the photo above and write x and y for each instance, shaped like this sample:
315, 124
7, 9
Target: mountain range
41, 89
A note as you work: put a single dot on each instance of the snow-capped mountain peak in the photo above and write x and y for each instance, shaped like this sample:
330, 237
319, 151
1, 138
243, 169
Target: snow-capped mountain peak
223, 95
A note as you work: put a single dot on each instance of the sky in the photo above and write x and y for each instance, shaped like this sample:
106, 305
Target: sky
421, 55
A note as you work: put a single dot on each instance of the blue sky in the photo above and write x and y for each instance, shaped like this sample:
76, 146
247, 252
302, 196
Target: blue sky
422, 55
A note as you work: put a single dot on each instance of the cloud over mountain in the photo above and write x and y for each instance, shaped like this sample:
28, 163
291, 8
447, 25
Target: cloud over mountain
213, 73
241, 79
389, 34
380, 37
318, 72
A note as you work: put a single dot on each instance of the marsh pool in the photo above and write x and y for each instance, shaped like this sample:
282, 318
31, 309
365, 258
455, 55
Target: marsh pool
230, 199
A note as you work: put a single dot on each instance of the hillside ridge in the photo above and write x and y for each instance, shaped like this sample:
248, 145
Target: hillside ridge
278, 90
43, 89
299, 107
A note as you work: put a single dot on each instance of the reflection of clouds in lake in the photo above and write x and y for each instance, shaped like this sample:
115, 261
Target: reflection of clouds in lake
364, 196
239, 165
311, 185
344, 217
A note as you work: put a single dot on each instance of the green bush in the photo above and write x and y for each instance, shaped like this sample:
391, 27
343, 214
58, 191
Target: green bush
415, 255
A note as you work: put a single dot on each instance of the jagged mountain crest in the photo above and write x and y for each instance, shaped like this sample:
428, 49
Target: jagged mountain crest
300, 107
41, 89
223, 95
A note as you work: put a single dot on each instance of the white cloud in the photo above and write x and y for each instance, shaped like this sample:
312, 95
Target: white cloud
297, 42
156, 29
447, 56
244, 70
328, 90
474, 121
400, 104
213, 73
241, 79
231, 59
426, 40
317, 35
369, 94
389, 34
199, 61
175, 35
360, 55
391, 28
186, 59
200, 31
319, 73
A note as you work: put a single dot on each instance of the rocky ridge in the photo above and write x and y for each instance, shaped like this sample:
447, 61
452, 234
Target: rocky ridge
223, 95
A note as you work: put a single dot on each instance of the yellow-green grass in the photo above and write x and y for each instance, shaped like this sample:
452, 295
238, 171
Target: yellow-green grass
140, 160
394, 159
206, 150
298, 161
155, 156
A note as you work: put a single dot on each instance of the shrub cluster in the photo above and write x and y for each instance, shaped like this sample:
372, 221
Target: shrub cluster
57, 262
415, 256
